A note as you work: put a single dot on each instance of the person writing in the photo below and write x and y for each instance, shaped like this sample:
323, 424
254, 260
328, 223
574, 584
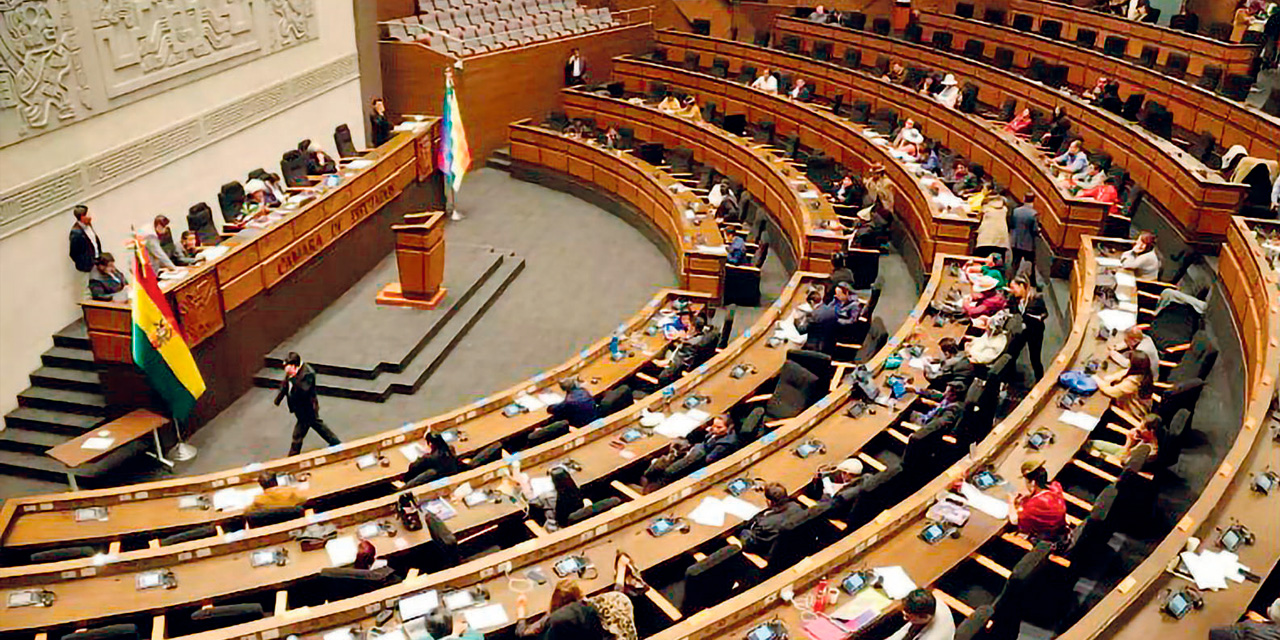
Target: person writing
379, 124
578, 407
1136, 341
1130, 389
163, 254
106, 282
928, 618
1142, 258
569, 616
763, 528
1039, 510
439, 461
830, 481
274, 495
191, 246
299, 387
695, 347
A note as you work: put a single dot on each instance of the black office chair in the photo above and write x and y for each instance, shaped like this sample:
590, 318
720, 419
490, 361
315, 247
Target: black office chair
293, 168
1210, 78
881, 26
230, 199
1022, 21
595, 509
1235, 87
338, 583
790, 44
1148, 55
964, 10
726, 327
761, 39
491, 453
713, 579
65, 553
853, 58
752, 426
855, 20
692, 60
798, 538
616, 89
876, 338
1183, 395
442, 553
1016, 596
993, 16
109, 632
616, 399
913, 33
227, 615
200, 220
274, 515
975, 423
1272, 105
1172, 438
1115, 46
876, 493
1176, 64
974, 626
822, 51
659, 54
197, 533
1003, 58
657, 91
1132, 106
973, 48
797, 389
346, 147
548, 433
942, 40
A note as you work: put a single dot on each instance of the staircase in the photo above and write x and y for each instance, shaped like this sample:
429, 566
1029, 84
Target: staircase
64, 400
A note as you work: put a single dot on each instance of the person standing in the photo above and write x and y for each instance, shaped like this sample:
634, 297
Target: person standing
1024, 225
85, 245
379, 124
299, 386
575, 70
1030, 304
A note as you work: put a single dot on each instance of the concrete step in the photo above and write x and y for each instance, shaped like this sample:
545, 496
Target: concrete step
84, 402
31, 441
32, 465
61, 422
69, 358
74, 336
63, 378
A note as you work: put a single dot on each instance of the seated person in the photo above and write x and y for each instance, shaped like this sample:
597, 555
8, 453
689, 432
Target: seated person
896, 73
556, 506
819, 15
1136, 341
992, 267
800, 91
1020, 125
827, 482
611, 139
823, 327
969, 180
928, 85
1142, 258
318, 162
106, 282
162, 252
570, 616
689, 109
367, 559
950, 93
848, 193
1094, 93
955, 366
928, 618
1144, 434
191, 246
1039, 510
1059, 127
1090, 178
439, 461
578, 407
694, 348
766, 82
1140, 11
879, 188
905, 133
669, 104
762, 529
1106, 193
736, 254
948, 410
872, 230
986, 298
275, 194
930, 159
441, 625
718, 193
800, 315
1110, 100
720, 440
1072, 161
1249, 629
255, 200
275, 496
1130, 389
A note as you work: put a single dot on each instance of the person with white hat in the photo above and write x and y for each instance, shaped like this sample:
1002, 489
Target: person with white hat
986, 298
833, 480
950, 93
908, 125
255, 198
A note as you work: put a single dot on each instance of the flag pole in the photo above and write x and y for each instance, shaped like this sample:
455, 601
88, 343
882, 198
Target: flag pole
182, 451
450, 196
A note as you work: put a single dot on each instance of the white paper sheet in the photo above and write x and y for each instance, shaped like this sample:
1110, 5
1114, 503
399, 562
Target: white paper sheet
1079, 420
677, 425
787, 331
990, 505
698, 414
359, 164
738, 507
97, 444
339, 634
412, 451
486, 617
895, 582
710, 512
342, 551
550, 397
1104, 261
529, 402
418, 605
542, 486
458, 600
1126, 279
235, 499
651, 419
1117, 319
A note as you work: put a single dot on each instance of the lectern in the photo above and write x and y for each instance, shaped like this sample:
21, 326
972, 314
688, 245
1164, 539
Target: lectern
420, 259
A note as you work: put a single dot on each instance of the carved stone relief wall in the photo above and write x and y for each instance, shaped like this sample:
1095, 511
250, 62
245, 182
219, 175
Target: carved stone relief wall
62, 61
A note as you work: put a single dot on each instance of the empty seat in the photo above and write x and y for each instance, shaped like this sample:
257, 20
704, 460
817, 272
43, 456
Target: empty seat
1022, 21
66, 553
993, 16
964, 9
1086, 38
1176, 64
1051, 29
212, 618
1235, 87
855, 20
1115, 46
1210, 78
942, 40
1003, 58
1148, 55
973, 48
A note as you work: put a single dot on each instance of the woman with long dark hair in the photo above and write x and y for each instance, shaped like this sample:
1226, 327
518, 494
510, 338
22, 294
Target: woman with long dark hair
439, 461
1130, 389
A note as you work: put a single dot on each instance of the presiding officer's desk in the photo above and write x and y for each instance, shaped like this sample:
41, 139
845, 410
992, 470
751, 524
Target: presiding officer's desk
932, 230
1202, 51
1194, 108
624, 527
1132, 608
892, 538
1197, 199
1011, 162
209, 569
806, 219
143, 512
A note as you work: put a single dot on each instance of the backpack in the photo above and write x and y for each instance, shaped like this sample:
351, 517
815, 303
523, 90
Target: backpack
1078, 382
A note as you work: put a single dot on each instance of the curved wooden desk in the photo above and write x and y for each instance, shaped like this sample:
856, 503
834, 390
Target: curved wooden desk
892, 538
1199, 201
807, 220
1202, 50
1010, 161
1194, 108
933, 231
623, 526
1132, 609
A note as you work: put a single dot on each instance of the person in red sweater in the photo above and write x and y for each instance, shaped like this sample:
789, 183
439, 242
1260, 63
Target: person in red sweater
986, 299
1106, 193
1040, 513
1020, 125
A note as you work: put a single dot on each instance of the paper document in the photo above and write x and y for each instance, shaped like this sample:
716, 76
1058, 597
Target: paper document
677, 425
458, 600
787, 331
97, 444
990, 505
1126, 279
339, 634
825, 629
1116, 319
529, 402
412, 451
863, 608
1104, 261
710, 512
233, 499
1079, 420
418, 605
359, 164
486, 617
550, 397
895, 582
541, 486
699, 415
342, 551
738, 507
651, 419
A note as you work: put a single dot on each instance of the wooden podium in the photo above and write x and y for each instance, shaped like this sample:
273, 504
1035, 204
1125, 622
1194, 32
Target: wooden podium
420, 259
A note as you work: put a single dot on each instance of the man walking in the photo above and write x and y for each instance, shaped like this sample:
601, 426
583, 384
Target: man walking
299, 387
1023, 228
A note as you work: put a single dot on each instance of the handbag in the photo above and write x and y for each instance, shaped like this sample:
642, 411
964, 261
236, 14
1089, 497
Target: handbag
1078, 382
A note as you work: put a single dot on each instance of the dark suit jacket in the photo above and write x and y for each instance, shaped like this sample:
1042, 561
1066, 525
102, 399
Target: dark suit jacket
578, 408
1034, 315
1023, 228
956, 369
301, 393
381, 129
763, 529
83, 248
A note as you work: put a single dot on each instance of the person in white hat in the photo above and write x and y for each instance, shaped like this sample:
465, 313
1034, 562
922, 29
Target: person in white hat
909, 125
833, 480
911, 143
986, 298
255, 198
950, 93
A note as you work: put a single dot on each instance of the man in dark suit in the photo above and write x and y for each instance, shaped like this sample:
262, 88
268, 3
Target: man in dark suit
578, 408
762, 529
955, 366
85, 245
299, 387
575, 69
1029, 302
1023, 227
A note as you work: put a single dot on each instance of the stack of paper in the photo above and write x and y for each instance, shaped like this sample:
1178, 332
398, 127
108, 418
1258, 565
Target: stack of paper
1080, 420
412, 451
342, 551
862, 609
550, 397
1211, 569
895, 582
787, 330
1104, 261
418, 605
1117, 319
710, 512
234, 499
990, 505
542, 486
739, 507
677, 425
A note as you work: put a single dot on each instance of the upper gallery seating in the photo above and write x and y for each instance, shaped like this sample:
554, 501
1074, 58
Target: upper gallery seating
470, 27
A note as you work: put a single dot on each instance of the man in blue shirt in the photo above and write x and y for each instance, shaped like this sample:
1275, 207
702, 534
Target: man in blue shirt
578, 408
826, 322
1072, 161
737, 253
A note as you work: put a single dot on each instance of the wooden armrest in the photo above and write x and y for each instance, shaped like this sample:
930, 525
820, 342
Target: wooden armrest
397, 484
1081, 464
911, 425
282, 602
158, 623
1127, 417
646, 377
113, 548
1155, 283
412, 573
1073, 521
1254, 616
536, 528
1021, 542
955, 605
949, 439
699, 556
625, 490
840, 525
760, 398
806, 501
1178, 348
871, 462
773, 424
751, 557
1076, 501
1168, 364
1117, 428
897, 435
1148, 294
991, 565
1162, 385
153, 544
662, 603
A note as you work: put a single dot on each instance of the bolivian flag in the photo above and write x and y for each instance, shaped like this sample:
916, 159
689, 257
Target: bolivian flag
453, 157
159, 347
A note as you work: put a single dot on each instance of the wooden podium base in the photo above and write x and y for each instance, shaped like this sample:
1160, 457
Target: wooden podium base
392, 296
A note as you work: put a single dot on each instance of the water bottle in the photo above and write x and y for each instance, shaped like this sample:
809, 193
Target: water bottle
614, 347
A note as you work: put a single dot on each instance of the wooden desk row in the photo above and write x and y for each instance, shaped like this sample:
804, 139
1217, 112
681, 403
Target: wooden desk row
1202, 50
842, 141
151, 509
1132, 609
1009, 161
653, 192
214, 568
1194, 108
620, 528
809, 223
1199, 201
892, 538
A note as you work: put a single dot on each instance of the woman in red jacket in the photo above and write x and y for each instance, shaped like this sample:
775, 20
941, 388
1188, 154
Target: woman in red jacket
1040, 513
986, 298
